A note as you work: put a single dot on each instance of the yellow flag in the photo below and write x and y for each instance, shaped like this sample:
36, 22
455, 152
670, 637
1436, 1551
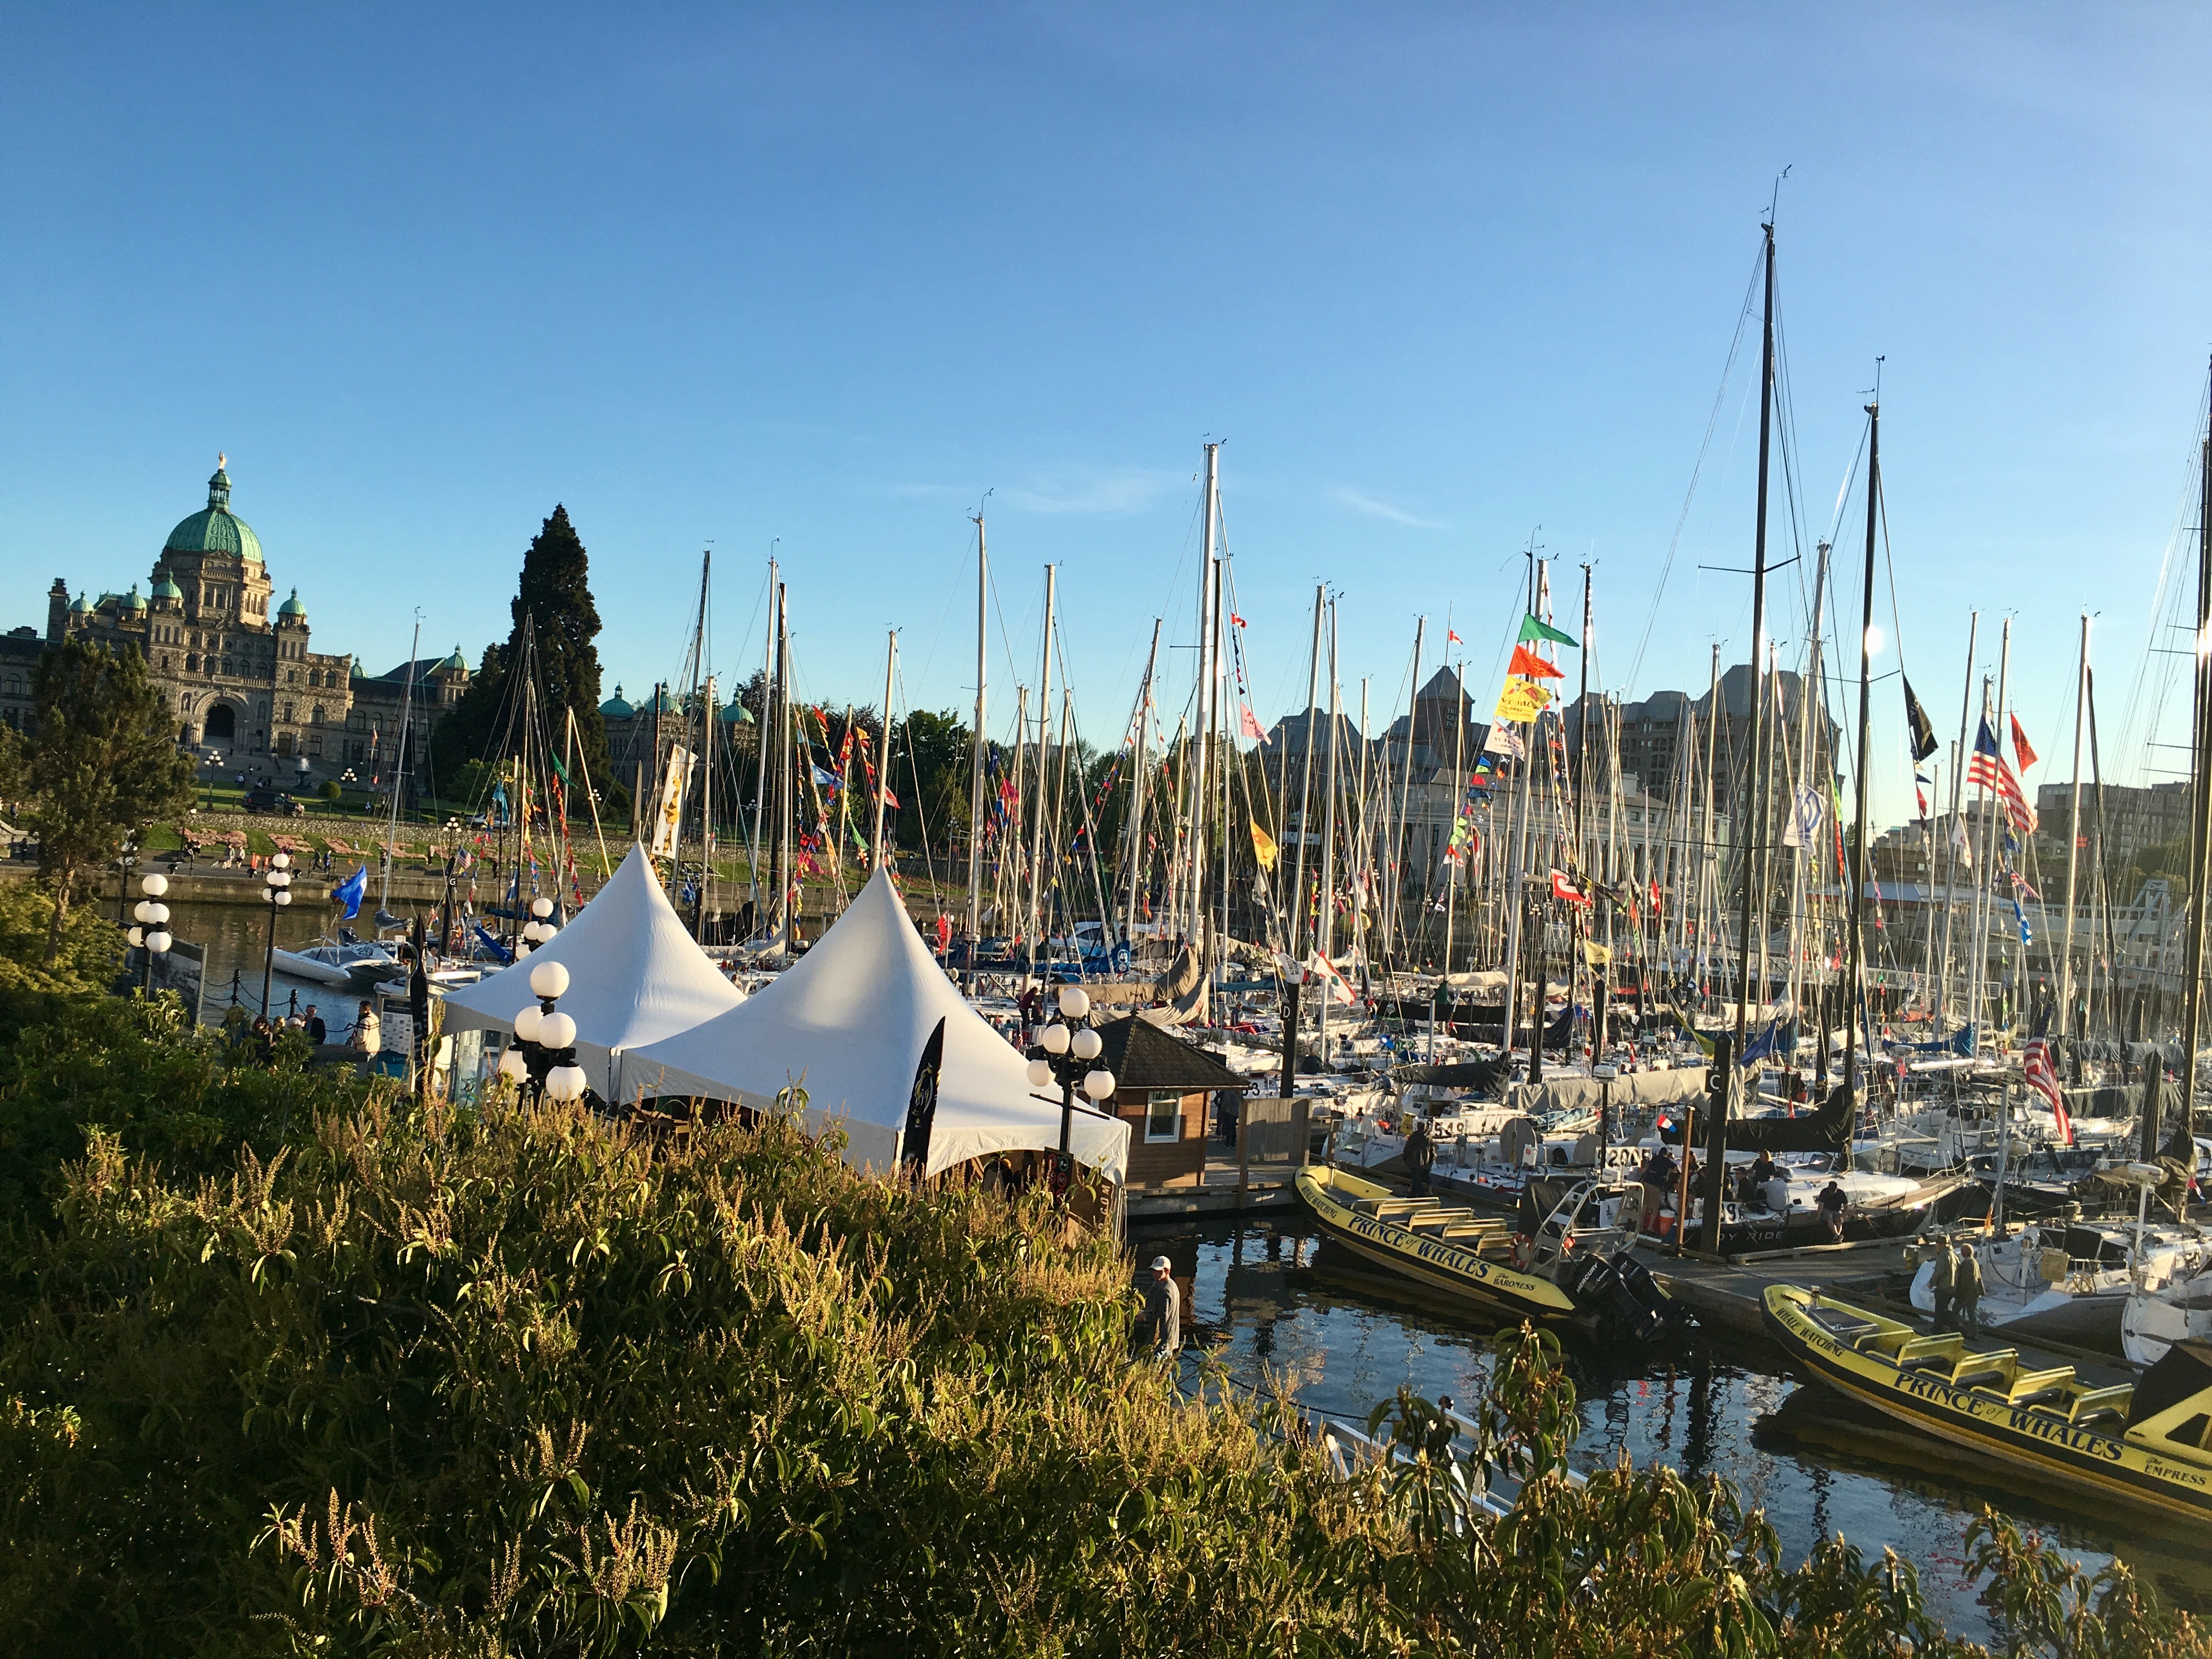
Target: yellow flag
1521, 699
1263, 846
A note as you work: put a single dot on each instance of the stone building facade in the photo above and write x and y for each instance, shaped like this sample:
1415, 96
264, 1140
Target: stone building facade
249, 691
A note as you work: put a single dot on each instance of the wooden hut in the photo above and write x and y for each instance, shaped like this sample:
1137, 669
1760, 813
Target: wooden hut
1162, 1088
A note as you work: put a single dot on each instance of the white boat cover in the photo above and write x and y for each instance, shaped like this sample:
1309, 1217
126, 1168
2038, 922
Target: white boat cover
634, 976
848, 1022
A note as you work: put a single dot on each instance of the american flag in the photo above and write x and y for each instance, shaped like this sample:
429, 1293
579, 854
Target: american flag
2035, 1062
1987, 767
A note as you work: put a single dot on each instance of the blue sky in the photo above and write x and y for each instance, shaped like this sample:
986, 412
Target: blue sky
1437, 277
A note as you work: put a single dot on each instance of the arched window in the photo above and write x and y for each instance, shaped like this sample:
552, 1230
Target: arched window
318, 714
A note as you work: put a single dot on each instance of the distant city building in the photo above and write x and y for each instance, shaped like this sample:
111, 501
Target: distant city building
242, 677
2135, 819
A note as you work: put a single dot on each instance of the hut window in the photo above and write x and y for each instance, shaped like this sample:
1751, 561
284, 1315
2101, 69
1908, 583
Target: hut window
1162, 1115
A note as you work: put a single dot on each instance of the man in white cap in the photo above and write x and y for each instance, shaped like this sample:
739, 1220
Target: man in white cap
1163, 1309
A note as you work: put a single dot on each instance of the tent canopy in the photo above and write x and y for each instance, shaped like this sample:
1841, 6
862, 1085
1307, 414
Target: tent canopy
848, 1023
634, 976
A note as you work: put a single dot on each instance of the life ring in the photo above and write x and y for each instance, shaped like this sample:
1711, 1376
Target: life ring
1522, 1253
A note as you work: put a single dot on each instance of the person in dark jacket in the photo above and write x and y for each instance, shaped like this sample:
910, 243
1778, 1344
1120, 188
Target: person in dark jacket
1161, 1324
318, 1033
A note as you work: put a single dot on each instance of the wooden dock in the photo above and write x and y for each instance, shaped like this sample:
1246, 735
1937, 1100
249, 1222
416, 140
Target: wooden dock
1270, 1187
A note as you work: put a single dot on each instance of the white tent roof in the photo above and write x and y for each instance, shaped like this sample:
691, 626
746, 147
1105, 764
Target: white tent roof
634, 976
848, 1022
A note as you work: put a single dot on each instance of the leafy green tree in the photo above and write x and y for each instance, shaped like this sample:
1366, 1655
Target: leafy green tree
466, 733
103, 764
35, 979
933, 762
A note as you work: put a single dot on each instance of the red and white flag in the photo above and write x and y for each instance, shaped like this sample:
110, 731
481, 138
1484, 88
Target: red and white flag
1249, 723
1319, 966
1451, 638
1564, 888
2043, 1077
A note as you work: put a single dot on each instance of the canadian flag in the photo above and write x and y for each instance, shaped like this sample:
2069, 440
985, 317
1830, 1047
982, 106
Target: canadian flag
1564, 888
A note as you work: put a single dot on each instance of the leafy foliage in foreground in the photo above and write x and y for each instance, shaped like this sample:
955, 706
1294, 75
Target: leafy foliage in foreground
163, 1091
524, 1383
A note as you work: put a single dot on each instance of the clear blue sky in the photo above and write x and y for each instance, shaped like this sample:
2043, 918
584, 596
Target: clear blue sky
1438, 276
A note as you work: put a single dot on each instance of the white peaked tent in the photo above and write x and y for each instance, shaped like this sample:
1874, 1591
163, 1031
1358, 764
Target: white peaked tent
848, 1022
634, 976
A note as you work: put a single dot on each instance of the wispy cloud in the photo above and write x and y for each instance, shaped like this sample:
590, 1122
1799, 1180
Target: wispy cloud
1359, 502
1094, 490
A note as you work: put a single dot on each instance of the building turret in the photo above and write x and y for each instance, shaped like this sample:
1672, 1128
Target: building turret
57, 609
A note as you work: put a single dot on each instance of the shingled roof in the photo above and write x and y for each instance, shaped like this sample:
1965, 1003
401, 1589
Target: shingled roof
1143, 1056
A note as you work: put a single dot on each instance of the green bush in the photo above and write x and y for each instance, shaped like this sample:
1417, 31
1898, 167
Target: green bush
330, 791
524, 1382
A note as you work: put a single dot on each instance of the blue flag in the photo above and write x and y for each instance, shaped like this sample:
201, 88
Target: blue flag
350, 891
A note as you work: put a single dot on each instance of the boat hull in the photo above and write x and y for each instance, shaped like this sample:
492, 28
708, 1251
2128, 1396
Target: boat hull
1435, 1263
2085, 1458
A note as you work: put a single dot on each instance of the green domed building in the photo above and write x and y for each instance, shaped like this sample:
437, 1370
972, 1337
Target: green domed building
250, 691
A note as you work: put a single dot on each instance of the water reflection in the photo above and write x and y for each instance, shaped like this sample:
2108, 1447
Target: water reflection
1277, 1301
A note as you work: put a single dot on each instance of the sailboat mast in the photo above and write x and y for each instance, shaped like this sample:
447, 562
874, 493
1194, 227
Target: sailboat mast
1754, 819
1957, 838
1456, 806
1397, 858
2200, 828
1326, 924
1305, 786
883, 752
2074, 840
1043, 766
399, 769
1204, 715
976, 783
1855, 902
1140, 785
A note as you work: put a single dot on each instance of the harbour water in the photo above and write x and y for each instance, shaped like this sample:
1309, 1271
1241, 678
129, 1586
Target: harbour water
236, 939
1272, 1299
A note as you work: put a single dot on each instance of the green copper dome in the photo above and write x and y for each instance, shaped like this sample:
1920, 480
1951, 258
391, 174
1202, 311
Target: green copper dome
457, 660
134, 600
356, 673
614, 709
217, 529
291, 607
166, 589
81, 605
737, 714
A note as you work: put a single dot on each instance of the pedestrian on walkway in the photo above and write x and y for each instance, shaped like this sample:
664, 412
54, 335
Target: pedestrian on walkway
1163, 1320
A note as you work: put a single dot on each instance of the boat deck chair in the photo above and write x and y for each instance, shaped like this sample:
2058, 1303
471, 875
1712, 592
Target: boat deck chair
2088, 1405
2032, 1385
1997, 1365
1921, 1353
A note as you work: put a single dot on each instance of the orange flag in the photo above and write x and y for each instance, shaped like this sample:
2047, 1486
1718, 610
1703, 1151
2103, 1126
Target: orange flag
1529, 664
2019, 746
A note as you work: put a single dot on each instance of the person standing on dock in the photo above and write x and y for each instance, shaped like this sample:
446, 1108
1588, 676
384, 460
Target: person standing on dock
1421, 1155
1966, 1290
1163, 1321
1943, 1272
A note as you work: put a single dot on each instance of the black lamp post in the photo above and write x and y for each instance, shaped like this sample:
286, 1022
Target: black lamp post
151, 934
277, 891
1069, 1044
541, 1059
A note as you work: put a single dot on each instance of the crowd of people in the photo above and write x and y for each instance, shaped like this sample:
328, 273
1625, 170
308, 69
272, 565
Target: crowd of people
363, 1038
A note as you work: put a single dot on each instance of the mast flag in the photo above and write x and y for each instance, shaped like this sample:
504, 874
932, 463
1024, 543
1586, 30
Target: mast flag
1923, 729
1987, 767
1532, 630
2019, 746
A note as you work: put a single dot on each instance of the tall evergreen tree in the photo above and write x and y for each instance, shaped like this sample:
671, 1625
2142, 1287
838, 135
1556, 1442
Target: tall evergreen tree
103, 765
555, 594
